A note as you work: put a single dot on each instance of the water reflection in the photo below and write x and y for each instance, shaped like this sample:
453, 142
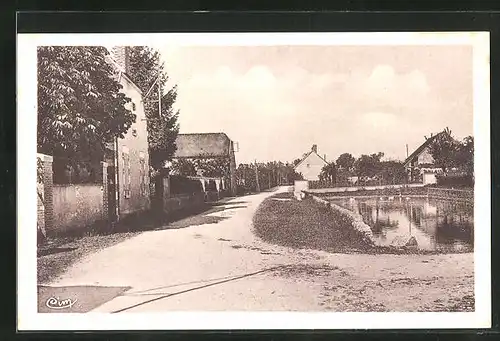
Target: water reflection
440, 225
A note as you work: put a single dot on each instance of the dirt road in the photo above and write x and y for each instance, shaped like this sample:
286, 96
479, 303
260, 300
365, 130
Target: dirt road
214, 262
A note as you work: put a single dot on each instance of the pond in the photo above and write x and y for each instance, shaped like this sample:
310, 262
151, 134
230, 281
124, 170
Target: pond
437, 225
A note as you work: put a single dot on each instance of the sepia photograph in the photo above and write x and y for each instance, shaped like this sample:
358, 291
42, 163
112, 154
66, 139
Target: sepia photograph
262, 174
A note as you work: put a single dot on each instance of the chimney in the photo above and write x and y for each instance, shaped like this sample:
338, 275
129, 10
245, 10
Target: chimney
121, 56
314, 148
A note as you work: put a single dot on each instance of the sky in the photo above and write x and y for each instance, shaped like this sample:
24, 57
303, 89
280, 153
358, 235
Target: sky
277, 101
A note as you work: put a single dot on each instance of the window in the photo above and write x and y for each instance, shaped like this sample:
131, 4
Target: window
127, 179
134, 132
133, 106
143, 185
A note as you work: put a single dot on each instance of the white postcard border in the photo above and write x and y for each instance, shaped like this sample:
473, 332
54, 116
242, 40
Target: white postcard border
29, 319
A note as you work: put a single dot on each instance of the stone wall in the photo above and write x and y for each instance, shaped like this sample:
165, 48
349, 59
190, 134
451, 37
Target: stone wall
351, 218
64, 207
77, 206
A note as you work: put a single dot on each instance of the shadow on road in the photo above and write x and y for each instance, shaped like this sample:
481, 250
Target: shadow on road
226, 203
51, 251
203, 218
59, 252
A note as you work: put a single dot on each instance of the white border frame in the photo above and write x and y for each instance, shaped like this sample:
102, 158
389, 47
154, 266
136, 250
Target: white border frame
29, 319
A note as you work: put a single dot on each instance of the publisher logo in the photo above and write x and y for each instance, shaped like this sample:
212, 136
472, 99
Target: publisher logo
56, 303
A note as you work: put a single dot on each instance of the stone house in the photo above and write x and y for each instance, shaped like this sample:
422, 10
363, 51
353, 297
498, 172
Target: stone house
208, 146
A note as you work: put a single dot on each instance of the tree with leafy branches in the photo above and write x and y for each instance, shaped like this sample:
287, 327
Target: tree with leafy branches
214, 167
444, 150
368, 165
80, 106
465, 155
345, 162
329, 173
392, 172
185, 167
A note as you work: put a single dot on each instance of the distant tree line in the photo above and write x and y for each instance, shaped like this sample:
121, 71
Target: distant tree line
262, 176
448, 153
249, 177
367, 169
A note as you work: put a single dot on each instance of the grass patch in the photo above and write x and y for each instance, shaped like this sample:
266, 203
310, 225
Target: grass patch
284, 195
305, 224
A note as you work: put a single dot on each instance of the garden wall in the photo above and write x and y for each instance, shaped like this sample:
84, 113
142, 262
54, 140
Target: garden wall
190, 198
76, 206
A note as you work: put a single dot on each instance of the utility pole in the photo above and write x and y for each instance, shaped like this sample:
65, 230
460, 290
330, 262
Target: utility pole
232, 169
159, 100
257, 177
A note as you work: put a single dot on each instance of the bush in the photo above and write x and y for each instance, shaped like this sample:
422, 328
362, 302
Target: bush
182, 185
455, 180
211, 186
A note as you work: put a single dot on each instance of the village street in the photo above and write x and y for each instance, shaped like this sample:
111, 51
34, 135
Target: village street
214, 262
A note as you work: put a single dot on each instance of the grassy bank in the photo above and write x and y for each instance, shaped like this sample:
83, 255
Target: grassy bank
305, 224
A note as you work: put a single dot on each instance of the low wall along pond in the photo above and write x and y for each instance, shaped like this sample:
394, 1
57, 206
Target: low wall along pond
349, 218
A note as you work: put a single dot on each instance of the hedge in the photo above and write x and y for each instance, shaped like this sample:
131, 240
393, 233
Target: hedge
182, 185
455, 180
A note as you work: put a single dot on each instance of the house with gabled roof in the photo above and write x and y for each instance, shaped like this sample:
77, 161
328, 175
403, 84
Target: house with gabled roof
420, 164
208, 146
128, 157
311, 165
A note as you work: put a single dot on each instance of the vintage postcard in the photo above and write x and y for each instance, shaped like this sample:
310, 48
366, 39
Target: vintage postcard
254, 181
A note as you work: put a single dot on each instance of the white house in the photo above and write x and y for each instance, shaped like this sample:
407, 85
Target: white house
311, 164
